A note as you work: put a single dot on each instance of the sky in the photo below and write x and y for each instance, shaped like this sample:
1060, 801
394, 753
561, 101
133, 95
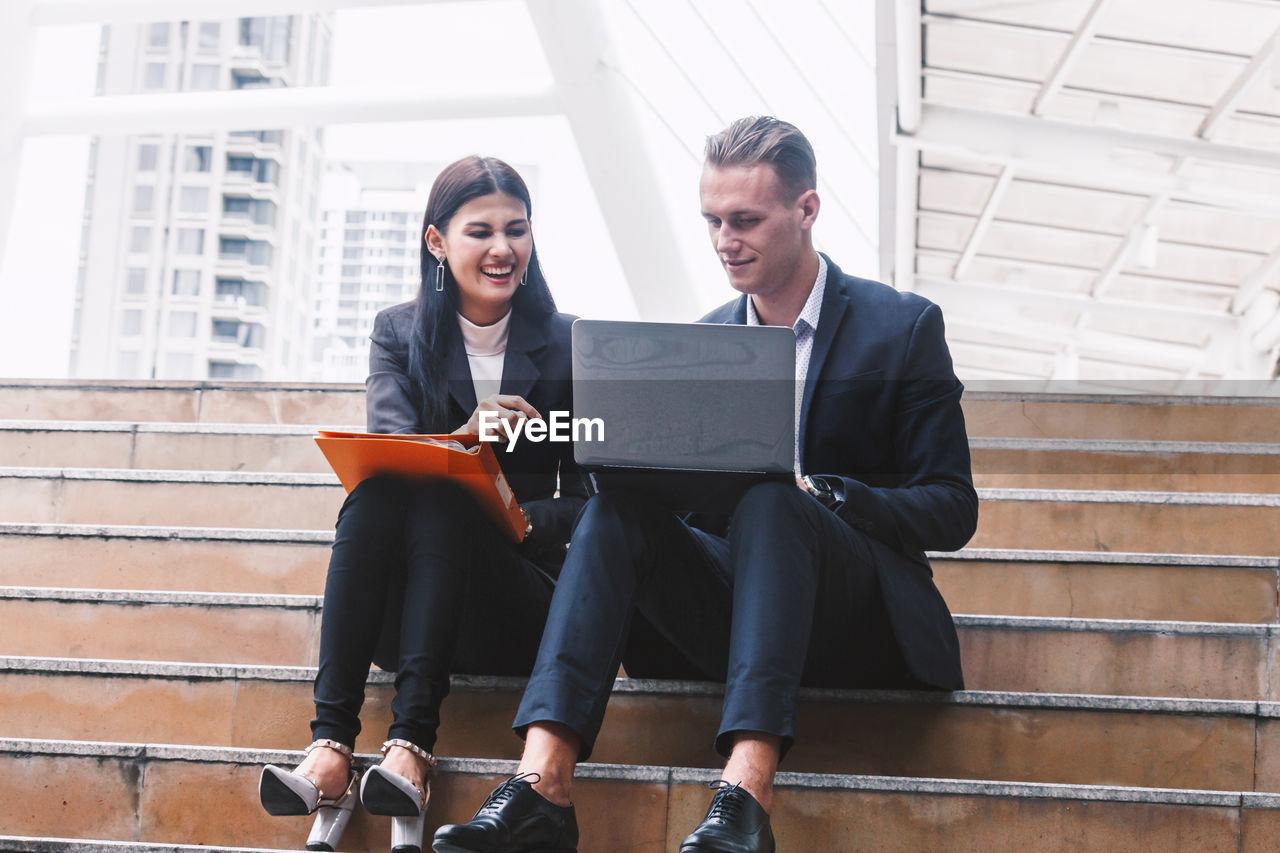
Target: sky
684, 81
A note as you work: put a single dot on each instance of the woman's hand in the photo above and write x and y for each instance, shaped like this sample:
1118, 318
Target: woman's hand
507, 407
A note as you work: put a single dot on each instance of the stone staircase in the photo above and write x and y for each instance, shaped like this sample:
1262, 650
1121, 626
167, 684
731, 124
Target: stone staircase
164, 547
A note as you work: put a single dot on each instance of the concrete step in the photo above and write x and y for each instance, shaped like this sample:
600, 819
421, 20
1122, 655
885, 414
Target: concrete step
1174, 522
1167, 743
1171, 522
165, 793
1007, 653
1085, 584
312, 404
1109, 585
1157, 416
1162, 466
997, 462
173, 446
1144, 417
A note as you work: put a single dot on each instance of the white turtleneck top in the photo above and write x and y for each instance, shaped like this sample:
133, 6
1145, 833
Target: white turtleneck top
486, 348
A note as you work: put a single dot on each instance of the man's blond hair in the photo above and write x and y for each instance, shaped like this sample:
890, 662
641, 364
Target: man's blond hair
765, 139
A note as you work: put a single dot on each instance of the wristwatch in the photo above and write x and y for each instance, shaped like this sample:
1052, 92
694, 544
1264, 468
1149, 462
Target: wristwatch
820, 489
528, 523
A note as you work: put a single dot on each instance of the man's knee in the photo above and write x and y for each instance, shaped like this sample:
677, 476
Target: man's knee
773, 503
614, 511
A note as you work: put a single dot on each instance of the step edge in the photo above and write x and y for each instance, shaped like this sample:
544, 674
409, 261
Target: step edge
1075, 624
137, 531
650, 773
665, 688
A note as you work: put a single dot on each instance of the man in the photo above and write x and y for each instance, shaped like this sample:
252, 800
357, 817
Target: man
819, 583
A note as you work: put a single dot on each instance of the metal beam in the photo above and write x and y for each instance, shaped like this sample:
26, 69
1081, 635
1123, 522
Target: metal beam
598, 107
910, 62
1070, 56
1227, 103
1209, 127
15, 69
72, 12
986, 294
983, 224
1081, 151
254, 109
1266, 273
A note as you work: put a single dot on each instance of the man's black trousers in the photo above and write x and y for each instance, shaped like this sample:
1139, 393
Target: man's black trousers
789, 597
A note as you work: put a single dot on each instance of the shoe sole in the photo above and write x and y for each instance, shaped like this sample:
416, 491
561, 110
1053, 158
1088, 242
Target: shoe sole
279, 799
380, 797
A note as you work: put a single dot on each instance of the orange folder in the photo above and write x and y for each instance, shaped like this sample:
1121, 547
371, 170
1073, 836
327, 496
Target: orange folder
356, 456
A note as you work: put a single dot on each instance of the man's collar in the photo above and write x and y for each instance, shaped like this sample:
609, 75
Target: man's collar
812, 306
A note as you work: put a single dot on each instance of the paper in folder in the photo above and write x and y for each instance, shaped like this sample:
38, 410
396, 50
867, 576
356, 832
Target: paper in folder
469, 462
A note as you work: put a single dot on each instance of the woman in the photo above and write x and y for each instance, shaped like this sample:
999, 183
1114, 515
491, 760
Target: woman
421, 581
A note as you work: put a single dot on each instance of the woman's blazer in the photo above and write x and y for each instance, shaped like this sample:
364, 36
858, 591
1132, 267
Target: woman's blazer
537, 367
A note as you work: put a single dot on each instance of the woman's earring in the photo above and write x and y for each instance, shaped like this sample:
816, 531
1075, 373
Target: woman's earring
524, 277
440, 276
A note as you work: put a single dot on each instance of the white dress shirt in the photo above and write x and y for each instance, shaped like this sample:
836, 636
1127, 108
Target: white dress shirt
486, 348
806, 328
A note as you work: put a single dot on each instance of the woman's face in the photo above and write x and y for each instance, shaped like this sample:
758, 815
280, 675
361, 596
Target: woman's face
487, 244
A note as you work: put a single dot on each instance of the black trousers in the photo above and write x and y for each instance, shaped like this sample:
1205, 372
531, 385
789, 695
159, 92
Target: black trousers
420, 567
790, 597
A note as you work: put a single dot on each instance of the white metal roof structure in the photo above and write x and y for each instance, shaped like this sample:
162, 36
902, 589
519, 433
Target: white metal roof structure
1091, 188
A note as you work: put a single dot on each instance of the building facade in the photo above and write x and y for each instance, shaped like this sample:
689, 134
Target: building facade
370, 258
197, 249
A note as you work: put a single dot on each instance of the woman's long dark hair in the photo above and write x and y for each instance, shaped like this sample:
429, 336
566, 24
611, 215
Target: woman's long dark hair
435, 316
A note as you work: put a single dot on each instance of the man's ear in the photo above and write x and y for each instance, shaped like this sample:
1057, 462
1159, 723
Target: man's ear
809, 203
435, 241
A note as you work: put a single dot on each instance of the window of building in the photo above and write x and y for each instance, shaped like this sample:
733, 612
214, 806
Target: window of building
154, 75
210, 35
204, 78
190, 241
258, 211
270, 36
198, 158
158, 36
131, 322
355, 217
186, 282
143, 198
352, 235
247, 335
147, 154
182, 324
353, 253
135, 283
233, 290
193, 200
231, 370
140, 238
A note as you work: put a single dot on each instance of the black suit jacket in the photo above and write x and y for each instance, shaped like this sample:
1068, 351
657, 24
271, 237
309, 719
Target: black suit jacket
537, 367
881, 413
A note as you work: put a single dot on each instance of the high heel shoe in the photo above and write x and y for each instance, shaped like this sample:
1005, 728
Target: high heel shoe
385, 792
284, 792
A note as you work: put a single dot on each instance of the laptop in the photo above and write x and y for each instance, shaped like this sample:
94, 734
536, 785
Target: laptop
692, 413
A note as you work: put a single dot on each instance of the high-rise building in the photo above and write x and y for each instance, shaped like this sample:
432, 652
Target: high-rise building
197, 249
369, 258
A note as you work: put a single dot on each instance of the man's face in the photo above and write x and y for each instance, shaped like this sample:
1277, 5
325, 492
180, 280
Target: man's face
758, 235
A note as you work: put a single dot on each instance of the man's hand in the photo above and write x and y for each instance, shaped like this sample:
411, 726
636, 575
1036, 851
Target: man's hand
505, 407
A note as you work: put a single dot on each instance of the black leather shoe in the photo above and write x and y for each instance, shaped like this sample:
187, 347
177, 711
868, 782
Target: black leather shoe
514, 819
735, 823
